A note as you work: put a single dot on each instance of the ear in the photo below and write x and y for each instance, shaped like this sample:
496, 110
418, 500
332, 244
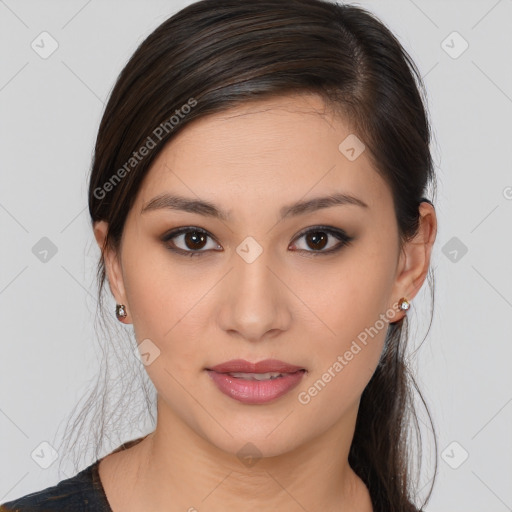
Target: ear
112, 267
415, 257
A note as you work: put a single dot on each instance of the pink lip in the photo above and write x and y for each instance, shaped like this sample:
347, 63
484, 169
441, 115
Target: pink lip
253, 391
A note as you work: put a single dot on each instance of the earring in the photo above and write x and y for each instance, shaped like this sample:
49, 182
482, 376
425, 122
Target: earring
121, 312
403, 304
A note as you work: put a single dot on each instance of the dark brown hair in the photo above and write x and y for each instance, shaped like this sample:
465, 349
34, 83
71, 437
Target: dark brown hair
216, 54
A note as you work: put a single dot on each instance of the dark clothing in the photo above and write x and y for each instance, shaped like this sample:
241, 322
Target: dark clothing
81, 493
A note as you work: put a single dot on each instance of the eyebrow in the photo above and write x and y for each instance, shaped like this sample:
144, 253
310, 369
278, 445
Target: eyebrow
208, 209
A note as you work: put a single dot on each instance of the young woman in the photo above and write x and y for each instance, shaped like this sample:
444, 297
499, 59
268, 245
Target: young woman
258, 193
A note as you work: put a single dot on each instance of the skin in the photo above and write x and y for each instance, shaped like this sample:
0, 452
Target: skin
287, 304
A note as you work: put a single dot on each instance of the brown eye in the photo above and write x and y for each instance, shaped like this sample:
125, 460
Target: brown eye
318, 238
194, 240
189, 241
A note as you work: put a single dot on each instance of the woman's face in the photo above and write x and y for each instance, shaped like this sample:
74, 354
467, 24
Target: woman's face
251, 284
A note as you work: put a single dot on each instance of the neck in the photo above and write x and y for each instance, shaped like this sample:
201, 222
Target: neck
174, 468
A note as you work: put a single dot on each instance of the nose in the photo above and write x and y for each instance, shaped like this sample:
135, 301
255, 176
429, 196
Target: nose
255, 302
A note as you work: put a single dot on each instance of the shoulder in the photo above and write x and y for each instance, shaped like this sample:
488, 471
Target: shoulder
81, 493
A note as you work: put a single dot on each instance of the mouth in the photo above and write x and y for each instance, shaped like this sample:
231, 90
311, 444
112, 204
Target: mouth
258, 376
241, 366
255, 383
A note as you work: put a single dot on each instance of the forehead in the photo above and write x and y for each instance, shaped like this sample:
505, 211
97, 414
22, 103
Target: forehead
286, 147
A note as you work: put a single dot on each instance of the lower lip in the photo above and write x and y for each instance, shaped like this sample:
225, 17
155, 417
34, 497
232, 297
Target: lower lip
255, 391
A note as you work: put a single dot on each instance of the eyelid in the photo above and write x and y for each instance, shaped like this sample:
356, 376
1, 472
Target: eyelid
174, 233
343, 238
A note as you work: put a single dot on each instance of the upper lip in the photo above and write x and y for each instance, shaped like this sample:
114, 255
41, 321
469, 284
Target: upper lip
265, 366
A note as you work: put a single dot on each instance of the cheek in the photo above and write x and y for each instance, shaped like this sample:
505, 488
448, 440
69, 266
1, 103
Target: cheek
170, 311
155, 296
343, 364
167, 305
353, 306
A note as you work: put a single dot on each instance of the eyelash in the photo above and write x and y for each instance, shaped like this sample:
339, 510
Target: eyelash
336, 233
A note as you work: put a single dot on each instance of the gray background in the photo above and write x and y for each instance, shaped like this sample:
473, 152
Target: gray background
50, 111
